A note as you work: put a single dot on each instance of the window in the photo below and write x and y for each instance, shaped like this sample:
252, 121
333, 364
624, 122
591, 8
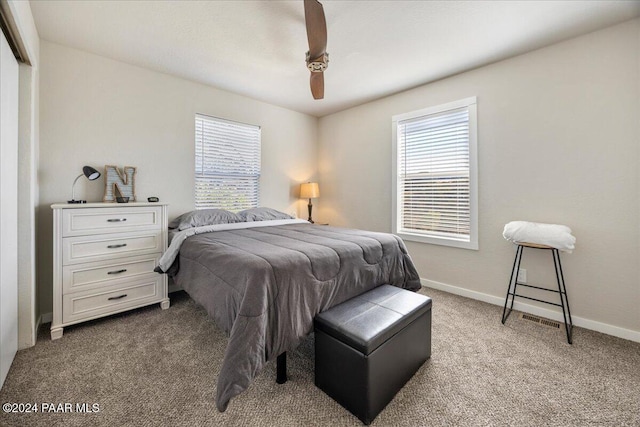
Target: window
227, 164
435, 175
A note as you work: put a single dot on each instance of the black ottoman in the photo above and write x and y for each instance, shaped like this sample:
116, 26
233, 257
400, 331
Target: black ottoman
368, 347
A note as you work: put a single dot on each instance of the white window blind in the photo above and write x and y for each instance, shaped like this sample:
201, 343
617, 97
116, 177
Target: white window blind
227, 164
435, 200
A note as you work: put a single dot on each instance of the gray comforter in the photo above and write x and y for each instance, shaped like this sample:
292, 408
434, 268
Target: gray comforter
264, 285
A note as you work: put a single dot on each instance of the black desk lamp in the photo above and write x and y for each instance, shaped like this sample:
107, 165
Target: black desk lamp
91, 175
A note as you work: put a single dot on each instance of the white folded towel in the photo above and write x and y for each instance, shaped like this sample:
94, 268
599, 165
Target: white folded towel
556, 236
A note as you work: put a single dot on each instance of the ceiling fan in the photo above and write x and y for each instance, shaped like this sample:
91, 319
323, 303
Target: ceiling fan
317, 56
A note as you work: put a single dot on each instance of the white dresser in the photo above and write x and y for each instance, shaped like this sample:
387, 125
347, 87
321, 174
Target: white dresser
103, 260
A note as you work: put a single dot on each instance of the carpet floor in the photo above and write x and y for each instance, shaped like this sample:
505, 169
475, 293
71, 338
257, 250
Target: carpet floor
153, 367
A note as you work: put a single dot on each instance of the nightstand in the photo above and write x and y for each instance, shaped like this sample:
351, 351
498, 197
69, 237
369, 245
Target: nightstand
103, 260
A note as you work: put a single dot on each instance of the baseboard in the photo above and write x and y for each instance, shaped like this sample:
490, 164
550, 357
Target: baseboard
616, 331
46, 318
41, 320
34, 337
174, 288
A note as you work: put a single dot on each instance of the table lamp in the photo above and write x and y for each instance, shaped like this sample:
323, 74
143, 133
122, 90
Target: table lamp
91, 175
310, 190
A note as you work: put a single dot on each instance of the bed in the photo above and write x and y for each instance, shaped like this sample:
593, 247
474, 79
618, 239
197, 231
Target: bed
263, 279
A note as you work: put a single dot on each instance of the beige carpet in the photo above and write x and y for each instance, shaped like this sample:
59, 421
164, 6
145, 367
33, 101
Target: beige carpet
152, 367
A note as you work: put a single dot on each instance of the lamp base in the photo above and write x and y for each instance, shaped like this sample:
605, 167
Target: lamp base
76, 201
310, 206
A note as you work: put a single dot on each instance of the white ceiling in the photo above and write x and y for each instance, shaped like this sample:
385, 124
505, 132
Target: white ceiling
257, 48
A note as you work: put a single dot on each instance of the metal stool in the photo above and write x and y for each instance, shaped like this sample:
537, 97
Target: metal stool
562, 290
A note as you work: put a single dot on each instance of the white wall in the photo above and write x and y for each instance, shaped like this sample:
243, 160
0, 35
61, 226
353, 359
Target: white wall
97, 111
559, 142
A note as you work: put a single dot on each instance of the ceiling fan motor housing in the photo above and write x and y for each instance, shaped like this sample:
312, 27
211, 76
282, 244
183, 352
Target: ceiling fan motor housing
319, 64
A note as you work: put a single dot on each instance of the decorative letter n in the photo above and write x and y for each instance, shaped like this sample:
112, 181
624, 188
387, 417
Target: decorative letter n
122, 183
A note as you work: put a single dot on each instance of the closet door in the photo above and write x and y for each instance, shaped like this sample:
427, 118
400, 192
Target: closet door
8, 207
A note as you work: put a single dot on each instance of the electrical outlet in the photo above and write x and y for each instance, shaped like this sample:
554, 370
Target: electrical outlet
522, 276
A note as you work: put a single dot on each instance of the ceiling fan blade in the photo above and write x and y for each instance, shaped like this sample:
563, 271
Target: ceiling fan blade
317, 85
316, 28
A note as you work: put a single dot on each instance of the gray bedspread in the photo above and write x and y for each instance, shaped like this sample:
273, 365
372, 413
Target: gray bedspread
264, 285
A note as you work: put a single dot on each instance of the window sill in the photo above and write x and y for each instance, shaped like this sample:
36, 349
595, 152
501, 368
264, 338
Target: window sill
441, 241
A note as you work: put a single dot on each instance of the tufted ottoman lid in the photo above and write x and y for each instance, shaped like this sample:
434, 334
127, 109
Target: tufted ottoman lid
366, 321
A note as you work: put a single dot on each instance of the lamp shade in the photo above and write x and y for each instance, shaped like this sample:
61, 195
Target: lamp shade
310, 190
90, 173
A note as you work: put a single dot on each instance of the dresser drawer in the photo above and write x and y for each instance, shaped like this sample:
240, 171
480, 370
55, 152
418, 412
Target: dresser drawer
90, 304
79, 222
106, 274
108, 246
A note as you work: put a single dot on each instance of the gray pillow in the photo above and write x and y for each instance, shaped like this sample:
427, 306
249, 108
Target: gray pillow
262, 214
201, 217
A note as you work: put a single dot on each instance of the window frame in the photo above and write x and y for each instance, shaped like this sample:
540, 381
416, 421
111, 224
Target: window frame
471, 104
224, 174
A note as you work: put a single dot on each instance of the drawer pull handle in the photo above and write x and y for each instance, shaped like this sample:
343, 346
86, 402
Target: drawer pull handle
118, 297
121, 245
117, 271
117, 220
